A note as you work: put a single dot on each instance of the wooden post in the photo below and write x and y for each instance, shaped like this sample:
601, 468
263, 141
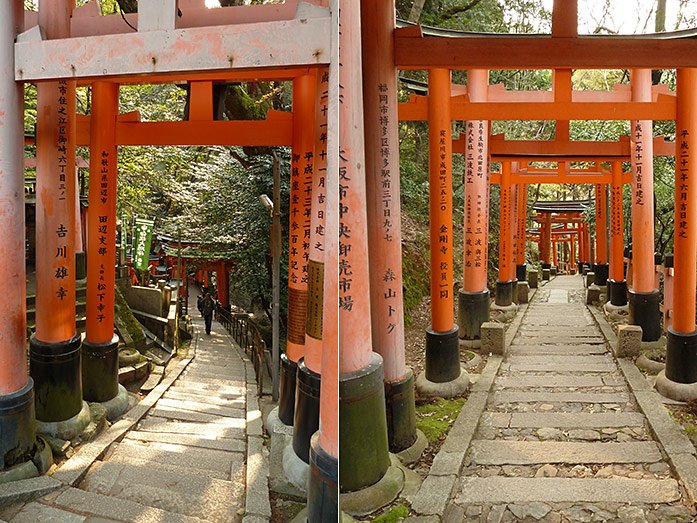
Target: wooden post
504, 285
601, 267
644, 298
100, 355
383, 209
16, 389
55, 347
680, 378
473, 303
521, 268
442, 349
617, 285
364, 451
301, 173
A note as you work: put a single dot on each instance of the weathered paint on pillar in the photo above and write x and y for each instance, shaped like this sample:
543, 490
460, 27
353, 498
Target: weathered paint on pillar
13, 370
364, 454
315, 265
440, 199
383, 187
601, 223
302, 168
685, 240
101, 225
505, 225
476, 189
642, 188
55, 190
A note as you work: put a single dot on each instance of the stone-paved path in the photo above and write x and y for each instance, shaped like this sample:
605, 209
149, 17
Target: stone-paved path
185, 460
562, 438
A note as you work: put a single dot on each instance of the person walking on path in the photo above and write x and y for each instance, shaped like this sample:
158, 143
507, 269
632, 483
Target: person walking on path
207, 308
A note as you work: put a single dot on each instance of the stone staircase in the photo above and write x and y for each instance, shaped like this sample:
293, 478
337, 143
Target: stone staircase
562, 437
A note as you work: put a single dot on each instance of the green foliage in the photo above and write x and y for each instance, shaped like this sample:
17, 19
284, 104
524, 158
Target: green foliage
395, 515
435, 419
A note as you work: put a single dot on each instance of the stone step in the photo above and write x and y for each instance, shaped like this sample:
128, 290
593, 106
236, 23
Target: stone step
560, 349
217, 430
499, 452
524, 382
238, 402
559, 397
225, 378
560, 367
192, 495
572, 330
196, 406
205, 441
497, 489
536, 359
216, 461
211, 385
223, 393
585, 420
171, 413
99, 507
550, 339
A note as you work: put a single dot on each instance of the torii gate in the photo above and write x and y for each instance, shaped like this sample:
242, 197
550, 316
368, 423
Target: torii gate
175, 40
438, 52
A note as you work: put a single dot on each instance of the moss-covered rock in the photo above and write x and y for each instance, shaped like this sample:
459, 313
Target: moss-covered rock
126, 315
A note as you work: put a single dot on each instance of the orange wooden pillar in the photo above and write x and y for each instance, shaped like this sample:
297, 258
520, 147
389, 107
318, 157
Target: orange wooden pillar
473, 299
17, 436
100, 355
442, 349
601, 267
323, 476
504, 285
680, 378
572, 253
223, 279
55, 346
309, 368
616, 285
521, 268
546, 245
364, 453
644, 298
555, 259
383, 209
301, 172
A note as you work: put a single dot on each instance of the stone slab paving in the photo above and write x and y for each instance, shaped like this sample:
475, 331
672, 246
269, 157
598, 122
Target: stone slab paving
562, 437
189, 460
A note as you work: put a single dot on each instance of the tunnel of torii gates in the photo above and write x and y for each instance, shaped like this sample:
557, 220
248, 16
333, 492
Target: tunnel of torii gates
182, 42
378, 417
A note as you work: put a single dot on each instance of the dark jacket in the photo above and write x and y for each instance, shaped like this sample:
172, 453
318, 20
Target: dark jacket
207, 307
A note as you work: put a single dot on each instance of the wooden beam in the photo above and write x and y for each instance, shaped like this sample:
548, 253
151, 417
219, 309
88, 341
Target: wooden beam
463, 109
193, 50
542, 52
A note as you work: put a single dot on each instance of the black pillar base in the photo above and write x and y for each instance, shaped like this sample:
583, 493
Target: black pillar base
504, 293
601, 271
55, 369
644, 311
100, 370
286, 396
306, 421
617, 292
401, 413
18, 435
580, 267
322, 494
472, 311
546, 265
364, 454
681, 357
521, 272
442, 355
80, 265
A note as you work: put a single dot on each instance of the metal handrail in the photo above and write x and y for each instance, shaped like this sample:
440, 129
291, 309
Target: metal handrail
246, 335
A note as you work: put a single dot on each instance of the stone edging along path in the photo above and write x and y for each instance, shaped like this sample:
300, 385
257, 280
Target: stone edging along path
677, 446
438, 487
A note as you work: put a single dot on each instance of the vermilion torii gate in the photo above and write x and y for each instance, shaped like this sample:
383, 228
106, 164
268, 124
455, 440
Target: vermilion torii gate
441, 51
175, 41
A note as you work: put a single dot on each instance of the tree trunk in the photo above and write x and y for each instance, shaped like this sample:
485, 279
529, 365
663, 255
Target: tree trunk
416, 8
